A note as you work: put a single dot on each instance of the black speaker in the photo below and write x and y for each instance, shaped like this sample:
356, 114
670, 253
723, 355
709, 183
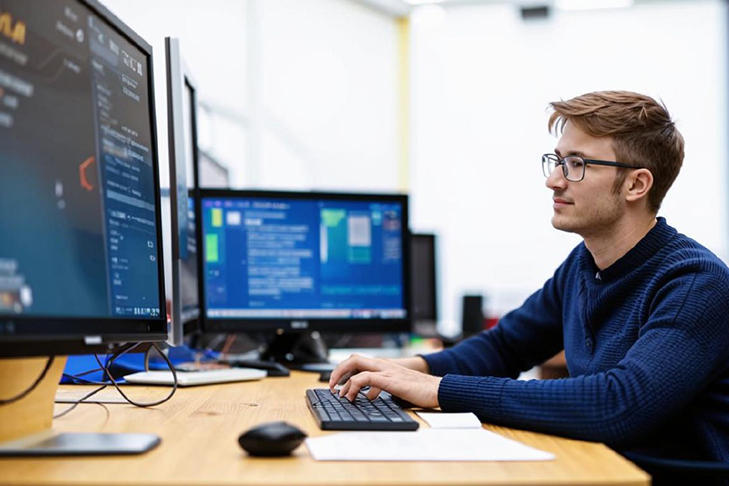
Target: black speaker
472, 315
535, 12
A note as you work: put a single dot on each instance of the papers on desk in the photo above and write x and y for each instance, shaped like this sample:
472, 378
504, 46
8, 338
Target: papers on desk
440, 420
423, 445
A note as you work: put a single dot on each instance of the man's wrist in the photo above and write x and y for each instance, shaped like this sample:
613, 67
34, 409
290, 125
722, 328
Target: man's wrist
416, 363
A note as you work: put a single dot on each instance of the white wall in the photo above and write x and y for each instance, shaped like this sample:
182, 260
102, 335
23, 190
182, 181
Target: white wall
329, 86
213, 43
302, 92
482, 80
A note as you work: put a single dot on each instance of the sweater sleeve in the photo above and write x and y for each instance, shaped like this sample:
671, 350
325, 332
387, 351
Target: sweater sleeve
521, 340
680, 350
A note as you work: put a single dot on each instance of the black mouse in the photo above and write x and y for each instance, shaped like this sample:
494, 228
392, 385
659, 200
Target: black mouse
271, 439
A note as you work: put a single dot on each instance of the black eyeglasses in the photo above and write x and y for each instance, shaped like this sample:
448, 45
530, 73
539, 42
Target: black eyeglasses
573, 166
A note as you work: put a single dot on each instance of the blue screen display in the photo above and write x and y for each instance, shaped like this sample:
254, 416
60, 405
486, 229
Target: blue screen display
303, 258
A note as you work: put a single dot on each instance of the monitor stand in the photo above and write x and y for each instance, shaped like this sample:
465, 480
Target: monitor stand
303, 351
27, 423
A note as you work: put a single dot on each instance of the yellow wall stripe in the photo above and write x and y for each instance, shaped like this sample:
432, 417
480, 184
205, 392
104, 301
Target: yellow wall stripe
403, 96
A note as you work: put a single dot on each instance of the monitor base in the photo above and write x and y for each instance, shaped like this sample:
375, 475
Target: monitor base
79, 444
27, 422
296, 349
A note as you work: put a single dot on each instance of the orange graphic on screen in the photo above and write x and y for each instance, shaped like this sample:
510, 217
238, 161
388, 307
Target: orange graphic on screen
15, 33
82, 173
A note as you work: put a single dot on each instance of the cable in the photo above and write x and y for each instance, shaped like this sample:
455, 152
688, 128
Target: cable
147, 355
77, 380
110, 358
80, 400
228, 344
150, 404
23, 394
105, 368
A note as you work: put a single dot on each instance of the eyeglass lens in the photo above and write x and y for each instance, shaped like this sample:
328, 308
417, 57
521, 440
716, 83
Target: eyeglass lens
573, 167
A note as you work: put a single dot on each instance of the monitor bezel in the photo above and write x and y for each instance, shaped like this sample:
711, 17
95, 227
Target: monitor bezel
242, 325
35, 335
180, 83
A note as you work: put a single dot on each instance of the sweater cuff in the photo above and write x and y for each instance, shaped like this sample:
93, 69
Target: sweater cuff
477, 394
438, 363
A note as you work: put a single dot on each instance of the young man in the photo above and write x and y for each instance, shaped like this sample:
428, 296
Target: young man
641, 311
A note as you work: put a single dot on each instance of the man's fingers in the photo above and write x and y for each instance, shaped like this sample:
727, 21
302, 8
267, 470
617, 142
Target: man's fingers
342, 372
345, 388
345, 369
341, 381
356, 383
373, 392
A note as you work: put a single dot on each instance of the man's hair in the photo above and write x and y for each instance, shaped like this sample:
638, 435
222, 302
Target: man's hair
642, 132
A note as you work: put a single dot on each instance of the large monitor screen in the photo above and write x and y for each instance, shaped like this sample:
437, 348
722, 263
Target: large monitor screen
305, 260
80, 244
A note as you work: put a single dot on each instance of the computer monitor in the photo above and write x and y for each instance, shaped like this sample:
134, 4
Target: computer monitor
424, 283
184, 179
289, 262
80, 240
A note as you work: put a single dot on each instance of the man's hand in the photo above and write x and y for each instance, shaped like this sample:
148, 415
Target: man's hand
418, 388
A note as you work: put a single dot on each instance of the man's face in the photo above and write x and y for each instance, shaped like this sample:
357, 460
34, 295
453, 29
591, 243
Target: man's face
588, 207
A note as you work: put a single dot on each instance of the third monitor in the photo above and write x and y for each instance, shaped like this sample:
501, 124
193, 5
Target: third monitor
292, 262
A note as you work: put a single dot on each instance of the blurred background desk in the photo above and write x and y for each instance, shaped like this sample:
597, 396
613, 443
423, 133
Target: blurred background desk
200, 427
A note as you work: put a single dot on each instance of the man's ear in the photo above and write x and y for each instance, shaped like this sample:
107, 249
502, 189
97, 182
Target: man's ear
638, 184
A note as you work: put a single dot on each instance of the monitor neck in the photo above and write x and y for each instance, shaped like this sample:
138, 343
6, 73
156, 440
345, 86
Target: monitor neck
33, 413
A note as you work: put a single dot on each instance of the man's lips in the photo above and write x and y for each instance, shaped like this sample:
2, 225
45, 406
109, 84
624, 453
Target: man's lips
559, 202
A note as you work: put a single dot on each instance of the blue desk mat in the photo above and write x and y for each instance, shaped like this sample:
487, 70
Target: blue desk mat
126, 364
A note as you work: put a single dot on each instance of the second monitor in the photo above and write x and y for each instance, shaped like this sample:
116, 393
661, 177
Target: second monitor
298, 261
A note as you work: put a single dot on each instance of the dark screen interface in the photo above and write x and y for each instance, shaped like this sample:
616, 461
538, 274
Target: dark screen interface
188, 267
78, 233
316, 259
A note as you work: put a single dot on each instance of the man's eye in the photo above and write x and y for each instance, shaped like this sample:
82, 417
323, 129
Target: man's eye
574, 162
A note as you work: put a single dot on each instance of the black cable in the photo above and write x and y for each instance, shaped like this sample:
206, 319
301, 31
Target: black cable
150, 404
78, 380
23, 394
84, 373
119, 353
80, 400
110, 358
146, 358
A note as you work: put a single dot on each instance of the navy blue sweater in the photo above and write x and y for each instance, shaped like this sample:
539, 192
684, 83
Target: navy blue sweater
647, 347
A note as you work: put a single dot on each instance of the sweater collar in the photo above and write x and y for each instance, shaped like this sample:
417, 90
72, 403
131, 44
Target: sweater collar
651, 243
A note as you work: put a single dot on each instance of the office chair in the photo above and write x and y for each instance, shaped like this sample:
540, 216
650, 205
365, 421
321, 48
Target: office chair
672, 472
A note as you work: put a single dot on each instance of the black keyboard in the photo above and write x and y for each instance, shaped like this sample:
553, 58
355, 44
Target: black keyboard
335, 413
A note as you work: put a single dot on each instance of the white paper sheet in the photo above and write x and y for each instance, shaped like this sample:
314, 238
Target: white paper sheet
442, 420
422, 445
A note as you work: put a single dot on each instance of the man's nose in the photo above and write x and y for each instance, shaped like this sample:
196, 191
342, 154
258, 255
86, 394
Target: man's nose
556, 179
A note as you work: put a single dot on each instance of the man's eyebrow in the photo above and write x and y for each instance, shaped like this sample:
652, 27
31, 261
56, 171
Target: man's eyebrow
571, 152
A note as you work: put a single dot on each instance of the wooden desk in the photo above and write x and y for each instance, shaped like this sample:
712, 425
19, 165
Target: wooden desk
200, 427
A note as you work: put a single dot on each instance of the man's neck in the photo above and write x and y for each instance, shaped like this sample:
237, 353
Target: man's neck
610, 246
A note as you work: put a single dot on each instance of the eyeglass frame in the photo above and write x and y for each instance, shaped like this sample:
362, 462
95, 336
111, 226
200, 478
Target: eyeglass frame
565, 171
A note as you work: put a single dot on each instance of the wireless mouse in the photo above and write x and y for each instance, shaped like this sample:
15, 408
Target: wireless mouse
271, 439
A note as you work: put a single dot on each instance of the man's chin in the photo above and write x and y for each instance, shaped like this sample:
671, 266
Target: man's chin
562, 224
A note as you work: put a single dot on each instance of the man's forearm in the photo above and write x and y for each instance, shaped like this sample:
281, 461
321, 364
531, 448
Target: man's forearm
415, 363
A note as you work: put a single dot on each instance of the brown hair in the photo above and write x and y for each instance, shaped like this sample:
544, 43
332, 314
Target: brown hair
642, 132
